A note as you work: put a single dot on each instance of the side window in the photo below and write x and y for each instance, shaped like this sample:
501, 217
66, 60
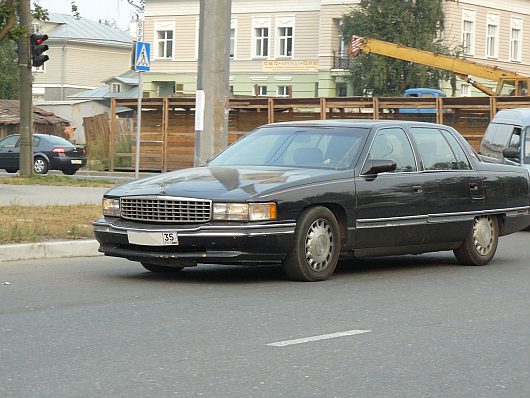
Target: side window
9, 142
435, 151
515, 139
36, 141
460, 155
393, 144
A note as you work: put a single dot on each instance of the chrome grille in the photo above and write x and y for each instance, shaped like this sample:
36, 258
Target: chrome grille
165, 209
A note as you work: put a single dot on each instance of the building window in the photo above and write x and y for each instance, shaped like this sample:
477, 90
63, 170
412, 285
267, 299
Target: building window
464, 90
492, 36
232, 43
179, 88
285, 37
468, 32
515, 39
38, 69
262, 42
261, 91
115, 88
164, 40
283, 91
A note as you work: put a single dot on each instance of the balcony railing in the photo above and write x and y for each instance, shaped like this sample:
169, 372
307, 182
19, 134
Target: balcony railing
342, 61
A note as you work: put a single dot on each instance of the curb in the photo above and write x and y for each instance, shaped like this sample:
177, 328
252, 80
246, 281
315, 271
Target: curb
61, 249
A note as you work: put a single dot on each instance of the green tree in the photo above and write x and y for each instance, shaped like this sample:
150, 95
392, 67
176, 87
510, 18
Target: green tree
8, 70
413, 23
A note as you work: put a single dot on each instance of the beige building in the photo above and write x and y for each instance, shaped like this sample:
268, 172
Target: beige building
82, 53
294, 48
492, 32
278, 47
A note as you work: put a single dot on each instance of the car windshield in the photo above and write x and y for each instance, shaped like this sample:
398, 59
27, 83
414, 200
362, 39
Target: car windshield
289, 146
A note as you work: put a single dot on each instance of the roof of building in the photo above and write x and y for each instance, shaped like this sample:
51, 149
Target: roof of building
129, 78
10, 114
82, 29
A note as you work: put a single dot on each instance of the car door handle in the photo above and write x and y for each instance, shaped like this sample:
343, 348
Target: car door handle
417, 188
473, 186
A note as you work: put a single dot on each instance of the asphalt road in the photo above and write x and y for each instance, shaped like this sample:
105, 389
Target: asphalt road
430, 328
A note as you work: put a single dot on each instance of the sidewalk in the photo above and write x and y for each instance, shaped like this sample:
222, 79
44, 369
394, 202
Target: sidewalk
52, 249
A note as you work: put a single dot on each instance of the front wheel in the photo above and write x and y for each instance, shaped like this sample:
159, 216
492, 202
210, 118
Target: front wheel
161, 268
40, 165
481, 242
316, 247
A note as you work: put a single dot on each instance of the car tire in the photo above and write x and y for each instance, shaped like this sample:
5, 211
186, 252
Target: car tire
40, 165
481, 242
69, 172
161, 268
11, 170
316, 247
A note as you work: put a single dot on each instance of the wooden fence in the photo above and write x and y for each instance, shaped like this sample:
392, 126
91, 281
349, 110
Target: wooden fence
167, 133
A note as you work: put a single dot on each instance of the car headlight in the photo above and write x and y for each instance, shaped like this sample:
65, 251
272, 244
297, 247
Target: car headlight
111, 207
244, 211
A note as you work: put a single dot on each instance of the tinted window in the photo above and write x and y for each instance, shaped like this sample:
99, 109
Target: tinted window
36, 142
393, 144
435, 151
9, 142
55, 140
320, 147
496, 138
461, 158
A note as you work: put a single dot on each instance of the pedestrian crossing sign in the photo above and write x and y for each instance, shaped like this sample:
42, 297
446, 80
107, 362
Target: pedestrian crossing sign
142, 61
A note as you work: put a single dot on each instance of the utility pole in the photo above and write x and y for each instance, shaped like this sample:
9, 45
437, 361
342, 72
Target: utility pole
26, 106
211, 128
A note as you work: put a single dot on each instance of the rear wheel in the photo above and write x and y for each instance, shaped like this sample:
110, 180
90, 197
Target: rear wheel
161, 268
40, 165
316, 247
70, 172
481, 242
9, 170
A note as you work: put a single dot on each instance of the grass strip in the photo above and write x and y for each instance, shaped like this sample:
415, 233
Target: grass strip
24, 224
56, 180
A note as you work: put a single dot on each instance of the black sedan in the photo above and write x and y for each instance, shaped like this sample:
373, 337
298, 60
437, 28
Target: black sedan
50, 152
304, 194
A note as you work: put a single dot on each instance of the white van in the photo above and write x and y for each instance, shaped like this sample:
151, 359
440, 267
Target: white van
507, 138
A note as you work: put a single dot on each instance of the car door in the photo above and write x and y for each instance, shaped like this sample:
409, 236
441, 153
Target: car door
9, 152
392, 206
454, 188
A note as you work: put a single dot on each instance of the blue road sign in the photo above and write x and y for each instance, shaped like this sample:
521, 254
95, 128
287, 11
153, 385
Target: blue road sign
142, 61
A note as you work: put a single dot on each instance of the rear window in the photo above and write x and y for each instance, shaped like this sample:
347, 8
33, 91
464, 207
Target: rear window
55, 140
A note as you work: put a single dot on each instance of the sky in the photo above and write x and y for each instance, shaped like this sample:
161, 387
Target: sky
118, 10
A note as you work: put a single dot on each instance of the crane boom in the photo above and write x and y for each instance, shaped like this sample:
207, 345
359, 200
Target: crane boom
462, 67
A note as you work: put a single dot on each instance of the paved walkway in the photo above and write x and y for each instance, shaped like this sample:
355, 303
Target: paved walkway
39, 195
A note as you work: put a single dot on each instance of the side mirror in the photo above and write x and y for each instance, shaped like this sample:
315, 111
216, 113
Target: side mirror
373, 167
510, 153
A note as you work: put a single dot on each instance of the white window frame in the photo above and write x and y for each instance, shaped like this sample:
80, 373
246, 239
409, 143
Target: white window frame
260, 23
284, 22
465, 90
262, 91
282, 91
233, 27
115, 87
516, 44
164, 26
39, 69
468, 35
492, 41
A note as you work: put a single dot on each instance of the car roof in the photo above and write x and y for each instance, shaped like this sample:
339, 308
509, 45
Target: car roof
363, 123
520, 116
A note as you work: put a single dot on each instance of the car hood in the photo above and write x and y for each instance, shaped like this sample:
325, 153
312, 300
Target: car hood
222, 183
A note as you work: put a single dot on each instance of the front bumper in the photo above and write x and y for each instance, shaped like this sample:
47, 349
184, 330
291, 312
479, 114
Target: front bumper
245, 244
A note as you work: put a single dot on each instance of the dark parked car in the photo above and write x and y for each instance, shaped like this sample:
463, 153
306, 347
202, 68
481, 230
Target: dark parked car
303, 194
50, 153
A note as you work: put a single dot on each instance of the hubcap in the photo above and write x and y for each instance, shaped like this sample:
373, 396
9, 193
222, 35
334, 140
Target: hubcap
319, 245
483, 232
39, 166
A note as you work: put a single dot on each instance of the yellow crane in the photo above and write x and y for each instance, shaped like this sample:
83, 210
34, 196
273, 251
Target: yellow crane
508, 82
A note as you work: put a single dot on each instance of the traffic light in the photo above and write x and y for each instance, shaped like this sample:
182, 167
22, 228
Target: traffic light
37, 49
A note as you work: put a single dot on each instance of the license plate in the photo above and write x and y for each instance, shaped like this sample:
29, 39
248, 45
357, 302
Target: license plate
76, 161
153, 238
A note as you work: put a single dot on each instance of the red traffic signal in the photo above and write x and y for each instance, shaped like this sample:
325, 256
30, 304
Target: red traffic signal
37, 49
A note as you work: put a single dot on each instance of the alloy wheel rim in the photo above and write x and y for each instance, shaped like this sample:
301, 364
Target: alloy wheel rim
39, 165
319, 245
483, 235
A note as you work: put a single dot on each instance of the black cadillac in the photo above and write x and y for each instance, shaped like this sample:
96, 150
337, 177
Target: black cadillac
304, 194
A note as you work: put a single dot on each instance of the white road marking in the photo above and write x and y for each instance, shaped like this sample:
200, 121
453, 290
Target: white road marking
316, 338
